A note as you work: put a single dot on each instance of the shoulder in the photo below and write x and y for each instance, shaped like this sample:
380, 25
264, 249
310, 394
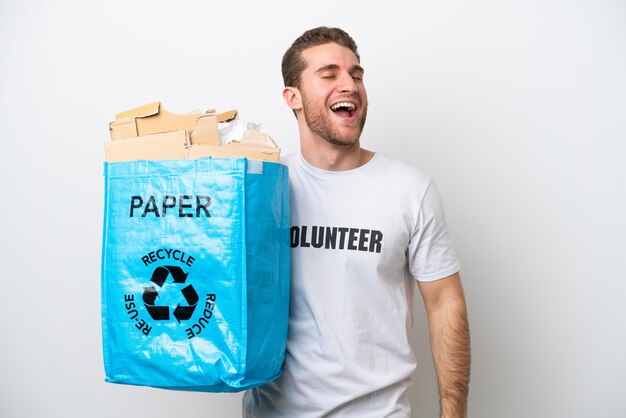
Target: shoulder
401, 172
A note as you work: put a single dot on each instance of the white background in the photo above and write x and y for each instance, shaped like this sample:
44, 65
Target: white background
516, 108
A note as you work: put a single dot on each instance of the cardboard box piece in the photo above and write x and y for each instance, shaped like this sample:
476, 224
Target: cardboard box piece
164, 146
153, 118
150, 132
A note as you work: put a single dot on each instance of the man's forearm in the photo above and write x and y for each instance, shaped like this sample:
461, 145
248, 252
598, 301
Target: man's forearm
450, 341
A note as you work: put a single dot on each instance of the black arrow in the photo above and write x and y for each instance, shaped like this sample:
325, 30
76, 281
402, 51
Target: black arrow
156, 312
149, 295
185, 312
160, 275
177, 273
190, 295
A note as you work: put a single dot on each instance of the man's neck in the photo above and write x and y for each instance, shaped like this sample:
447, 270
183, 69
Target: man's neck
331, 157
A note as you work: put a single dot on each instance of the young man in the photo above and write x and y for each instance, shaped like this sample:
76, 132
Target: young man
365, 228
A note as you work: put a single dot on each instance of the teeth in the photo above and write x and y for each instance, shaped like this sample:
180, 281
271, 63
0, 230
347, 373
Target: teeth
346, 105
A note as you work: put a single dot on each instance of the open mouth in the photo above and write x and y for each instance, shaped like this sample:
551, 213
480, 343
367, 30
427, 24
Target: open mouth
345, 109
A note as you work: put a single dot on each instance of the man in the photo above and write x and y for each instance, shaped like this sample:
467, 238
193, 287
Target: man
365, 228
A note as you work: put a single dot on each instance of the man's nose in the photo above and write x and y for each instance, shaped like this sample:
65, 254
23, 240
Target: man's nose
347, 84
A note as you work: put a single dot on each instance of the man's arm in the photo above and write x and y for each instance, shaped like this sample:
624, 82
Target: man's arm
450, 342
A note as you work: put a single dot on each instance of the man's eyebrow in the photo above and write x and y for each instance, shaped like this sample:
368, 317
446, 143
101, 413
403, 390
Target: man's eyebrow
327, 67
331, 67
357, 68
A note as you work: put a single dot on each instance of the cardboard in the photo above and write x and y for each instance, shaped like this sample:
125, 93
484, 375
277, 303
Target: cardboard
150, 132
152, 118
164, 146
227, 116
233, 150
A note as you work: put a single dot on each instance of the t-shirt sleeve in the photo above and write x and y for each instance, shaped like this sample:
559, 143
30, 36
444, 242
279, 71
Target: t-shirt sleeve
431, 255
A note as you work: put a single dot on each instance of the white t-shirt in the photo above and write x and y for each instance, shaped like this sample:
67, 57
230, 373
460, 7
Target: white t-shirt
359, 240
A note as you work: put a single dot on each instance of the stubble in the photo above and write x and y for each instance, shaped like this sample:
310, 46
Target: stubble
321, 123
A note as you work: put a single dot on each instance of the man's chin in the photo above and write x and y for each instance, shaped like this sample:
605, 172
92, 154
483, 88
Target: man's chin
343, 142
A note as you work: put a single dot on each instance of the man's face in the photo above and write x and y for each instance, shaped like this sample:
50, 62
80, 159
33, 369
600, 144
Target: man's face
334, 100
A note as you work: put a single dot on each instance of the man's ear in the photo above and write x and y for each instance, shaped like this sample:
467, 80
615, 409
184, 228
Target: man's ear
292, 98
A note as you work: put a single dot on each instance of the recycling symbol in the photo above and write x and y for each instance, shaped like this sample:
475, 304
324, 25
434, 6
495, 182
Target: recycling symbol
150, 294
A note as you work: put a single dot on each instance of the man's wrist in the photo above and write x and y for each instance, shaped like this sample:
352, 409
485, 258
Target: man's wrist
453, 408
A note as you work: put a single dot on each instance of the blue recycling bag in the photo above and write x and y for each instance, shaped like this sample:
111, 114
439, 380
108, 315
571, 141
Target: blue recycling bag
195, 273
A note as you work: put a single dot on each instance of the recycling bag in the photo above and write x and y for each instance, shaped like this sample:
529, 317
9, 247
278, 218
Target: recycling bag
195, 273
